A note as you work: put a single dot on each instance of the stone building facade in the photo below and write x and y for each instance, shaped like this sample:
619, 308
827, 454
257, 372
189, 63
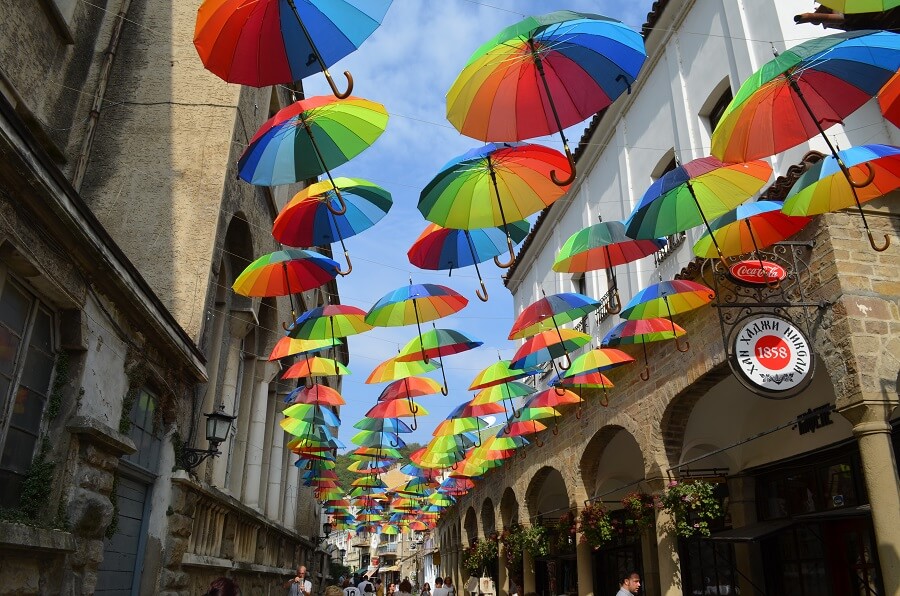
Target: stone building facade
810, 507
123, 227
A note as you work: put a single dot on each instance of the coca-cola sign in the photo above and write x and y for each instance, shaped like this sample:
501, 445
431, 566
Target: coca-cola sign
757, 273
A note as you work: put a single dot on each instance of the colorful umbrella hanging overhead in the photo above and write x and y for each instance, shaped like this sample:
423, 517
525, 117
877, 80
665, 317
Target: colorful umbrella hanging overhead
270, 42
889, 99
641, 332
667, 298
546, 346
316, 366
288, 346
692, 194
749, 228
439, 248
309, 218
827, 185
500, 372
603, 245
331, 321
492, 186
550, 312
392, 370
860, 6
310, 137
542, 75
435, 344
804, 91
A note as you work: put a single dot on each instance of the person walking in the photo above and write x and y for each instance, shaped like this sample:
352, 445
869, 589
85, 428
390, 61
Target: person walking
448, 583
365, 586
439, 589
426, 590
405, 589
299, 585
349, 589
630, 584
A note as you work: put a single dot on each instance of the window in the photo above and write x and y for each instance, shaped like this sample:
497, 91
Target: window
580, 284
144, 432
719, 109
714, 107
26, 368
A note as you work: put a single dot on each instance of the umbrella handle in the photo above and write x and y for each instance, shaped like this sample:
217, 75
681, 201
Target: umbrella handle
866, 182
687, 346
559, 390
875, 247
512, 256
555, 430
394, 445
567, 366
578, 413
605, 401
538, 441
615, 302
571, 178
444, 390
482, 293
340, 198
349, 265
518, 414
645, 376
414, 424
334, 88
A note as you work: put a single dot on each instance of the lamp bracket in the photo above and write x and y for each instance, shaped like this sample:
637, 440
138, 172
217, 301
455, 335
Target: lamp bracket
191, 457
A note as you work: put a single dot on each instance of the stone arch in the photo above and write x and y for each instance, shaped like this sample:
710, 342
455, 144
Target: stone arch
488, 520
547, 492
509, 508
470, 524
622, 452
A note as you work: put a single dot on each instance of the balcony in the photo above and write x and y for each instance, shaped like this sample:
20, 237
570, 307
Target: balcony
672, 244
387, 548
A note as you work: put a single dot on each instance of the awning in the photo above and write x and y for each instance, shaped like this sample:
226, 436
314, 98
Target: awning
752, 532
391, 568
842, 513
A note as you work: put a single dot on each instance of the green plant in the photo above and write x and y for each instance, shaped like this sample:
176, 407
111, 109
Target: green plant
560, 534
640, 510
692, 505
481, 555
597, 528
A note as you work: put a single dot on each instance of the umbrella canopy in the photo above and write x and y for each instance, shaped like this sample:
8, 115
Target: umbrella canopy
596, 360
270, 42
310, 137
547, 345
500, 372
749, 228
315, 394
314, 414
396, 408
330, 322
393, 370
589, 380
823, 187
309, 218
522, 429
492, 186
387, 425
667, 298
803, 91
288, 346
550, 312
544, 74
889, 99
641, 332
285, 272
315, 366
409, 387
435, 344
859, 6
497, 393
692, 194
439, 248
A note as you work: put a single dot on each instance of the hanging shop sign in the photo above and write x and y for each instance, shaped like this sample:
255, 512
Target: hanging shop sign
757, 273
772, 356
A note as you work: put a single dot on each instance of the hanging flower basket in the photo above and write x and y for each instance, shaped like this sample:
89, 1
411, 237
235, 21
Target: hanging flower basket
596, 526
640, 511
480, 556
561, 534
692, 506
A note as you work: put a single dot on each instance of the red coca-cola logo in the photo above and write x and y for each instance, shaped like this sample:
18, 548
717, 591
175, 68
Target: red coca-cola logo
757, 272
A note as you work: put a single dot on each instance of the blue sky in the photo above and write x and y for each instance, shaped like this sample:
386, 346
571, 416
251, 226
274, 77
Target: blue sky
408, 64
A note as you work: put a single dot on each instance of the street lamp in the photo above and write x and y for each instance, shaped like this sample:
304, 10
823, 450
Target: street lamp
218, 426
343, 553
326, 530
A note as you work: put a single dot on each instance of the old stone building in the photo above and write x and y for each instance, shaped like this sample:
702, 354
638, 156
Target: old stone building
810, 483
123, 227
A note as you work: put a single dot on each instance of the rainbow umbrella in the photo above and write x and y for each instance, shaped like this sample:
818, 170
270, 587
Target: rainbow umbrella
522, 429
393, 370
314, 414
641, 332
603, 246
502, 393
305, 428
833, 183
285, 272
596, 360
804, 91
315, 366
542, 75
859, 6
408, 388
581, 381
435, 344
417, 304
288, 346
500, 372
309, 218
692, 194
439, 248
667, 298
395, 408
329, 322
749, 228
315, 394
548, 345
550, 312
270, 42
308, 138
889, 99
551, 398
362, 453
492, 186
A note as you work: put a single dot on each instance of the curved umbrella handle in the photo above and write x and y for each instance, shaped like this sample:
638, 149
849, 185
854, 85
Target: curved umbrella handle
615, 302
538, 441
340, 197
559, 390
687, 346
414, 424
555, 430
413, 406
444, 390
482, 293
334, 88
645, 375
571, 177
512, 256
579, 413
875, 247
518, 413
394, 445
349, 265
568, 363
605, 401
870, 175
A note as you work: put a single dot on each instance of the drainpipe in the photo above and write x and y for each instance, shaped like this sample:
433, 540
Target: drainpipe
826, 19
105, 70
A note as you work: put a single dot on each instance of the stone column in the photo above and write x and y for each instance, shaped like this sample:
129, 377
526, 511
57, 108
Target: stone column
273, 492
256, 434
528, 579
240, 322
290, 493
502, 575
243, 409
585, 568
873, 433
669, 565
